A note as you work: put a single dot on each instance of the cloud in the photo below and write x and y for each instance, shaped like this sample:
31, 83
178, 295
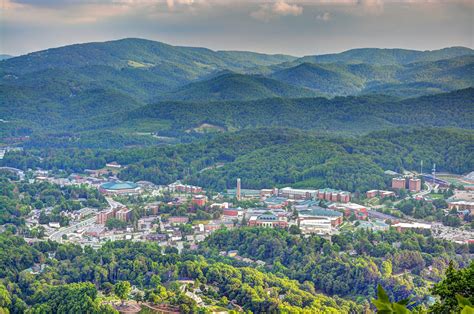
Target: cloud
326, 16
171, 3
268, 11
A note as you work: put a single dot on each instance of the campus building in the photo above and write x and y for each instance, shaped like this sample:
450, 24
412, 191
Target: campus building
414, 185
120, 188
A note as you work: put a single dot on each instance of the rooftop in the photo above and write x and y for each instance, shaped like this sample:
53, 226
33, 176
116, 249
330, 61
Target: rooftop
319, 211
115, 186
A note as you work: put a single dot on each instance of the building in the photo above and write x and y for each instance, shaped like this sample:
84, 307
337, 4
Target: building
461, 205
414, 185
305, 204
359, 211
332, 195
398, 183
275, 202
216, 225
231, 214
199, 200
380, 193
318, 212
402, 226
114, 165
184, 188
175, 220
124, 214
122, 188
245, 194
373, 225
102, 217
268, 220
266, 193
297, 194
319, 220
317, 225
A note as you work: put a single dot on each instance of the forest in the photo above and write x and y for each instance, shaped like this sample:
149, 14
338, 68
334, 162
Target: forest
83, 279
300, 159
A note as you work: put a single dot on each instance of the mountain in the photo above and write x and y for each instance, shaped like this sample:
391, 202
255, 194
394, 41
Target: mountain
341, 114
5, 56
324, 79
388, 56
233, 86
137, 53
408, 80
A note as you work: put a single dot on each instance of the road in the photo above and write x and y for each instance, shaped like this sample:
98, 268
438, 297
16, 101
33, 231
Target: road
57, 236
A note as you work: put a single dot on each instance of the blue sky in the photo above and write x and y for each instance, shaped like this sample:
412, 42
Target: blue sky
272, 26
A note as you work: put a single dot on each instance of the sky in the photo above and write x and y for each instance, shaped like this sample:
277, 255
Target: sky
296, 27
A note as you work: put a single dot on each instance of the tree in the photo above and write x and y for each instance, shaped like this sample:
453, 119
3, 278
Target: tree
457, 282
122, 290
5, 299
383, 304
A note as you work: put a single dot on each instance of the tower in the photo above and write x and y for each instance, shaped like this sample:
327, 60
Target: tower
421, 168
238, 191
434, 173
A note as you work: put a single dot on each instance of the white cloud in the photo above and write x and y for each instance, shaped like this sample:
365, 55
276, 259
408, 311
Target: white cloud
326, 16
267, 11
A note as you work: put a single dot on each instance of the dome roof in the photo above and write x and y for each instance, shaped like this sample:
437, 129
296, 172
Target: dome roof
115, 186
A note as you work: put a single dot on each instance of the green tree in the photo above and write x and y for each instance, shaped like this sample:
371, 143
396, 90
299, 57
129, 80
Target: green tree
122, 290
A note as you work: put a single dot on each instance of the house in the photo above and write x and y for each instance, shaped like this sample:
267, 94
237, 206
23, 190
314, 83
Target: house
176, 220
114, 165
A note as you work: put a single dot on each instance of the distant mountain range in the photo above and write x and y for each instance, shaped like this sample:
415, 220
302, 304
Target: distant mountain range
4, 57
78, 86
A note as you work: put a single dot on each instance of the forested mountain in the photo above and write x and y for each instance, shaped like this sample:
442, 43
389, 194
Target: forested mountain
411, 79
388, 56
101, 117
5, 56
137, 53
232, 86
147, 71
341, 114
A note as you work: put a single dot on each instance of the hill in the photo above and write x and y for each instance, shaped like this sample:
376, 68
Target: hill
233, 86
341, 114
388, 56
136, 53
408, 80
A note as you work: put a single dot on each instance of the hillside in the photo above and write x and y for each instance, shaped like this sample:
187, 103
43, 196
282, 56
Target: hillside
232, 86
388, 56
136, 53
341, 114
408, 80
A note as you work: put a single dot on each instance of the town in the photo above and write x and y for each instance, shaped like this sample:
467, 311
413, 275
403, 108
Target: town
180, 215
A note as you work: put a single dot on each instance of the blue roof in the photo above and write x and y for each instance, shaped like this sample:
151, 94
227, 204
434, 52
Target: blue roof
119, 186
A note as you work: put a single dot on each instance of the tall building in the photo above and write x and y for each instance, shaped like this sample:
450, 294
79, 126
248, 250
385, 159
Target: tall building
414, 185
398, 183
239, 190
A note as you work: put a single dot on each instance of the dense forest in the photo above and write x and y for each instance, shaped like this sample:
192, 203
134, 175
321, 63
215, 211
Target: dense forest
72, 277
352, 264
297, 158
81, 279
